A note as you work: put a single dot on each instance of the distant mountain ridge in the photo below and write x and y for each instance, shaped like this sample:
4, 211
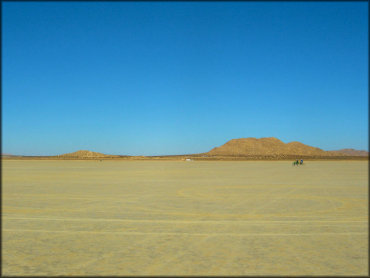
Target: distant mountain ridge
9, 155
354, 152
86, 154
269, 146
250, 148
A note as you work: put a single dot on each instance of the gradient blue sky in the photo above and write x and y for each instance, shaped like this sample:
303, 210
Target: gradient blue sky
154, 78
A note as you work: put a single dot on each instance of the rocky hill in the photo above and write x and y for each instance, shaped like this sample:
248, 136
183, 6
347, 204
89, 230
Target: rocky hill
85, 154
268, 146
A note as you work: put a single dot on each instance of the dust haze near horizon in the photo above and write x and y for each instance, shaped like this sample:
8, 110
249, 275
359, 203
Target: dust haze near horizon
162, 78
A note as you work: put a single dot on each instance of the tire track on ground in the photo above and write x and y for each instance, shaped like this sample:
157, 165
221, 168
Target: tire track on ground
4, 217
173, 258
255, 211
183, 234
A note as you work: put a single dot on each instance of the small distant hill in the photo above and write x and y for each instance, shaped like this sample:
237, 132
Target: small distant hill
353, 152
85, 154
8, 155
269, 146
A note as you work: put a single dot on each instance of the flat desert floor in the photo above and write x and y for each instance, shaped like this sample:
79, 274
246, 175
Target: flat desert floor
184, 218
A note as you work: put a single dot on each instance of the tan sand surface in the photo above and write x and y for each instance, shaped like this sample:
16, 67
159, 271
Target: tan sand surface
184, 218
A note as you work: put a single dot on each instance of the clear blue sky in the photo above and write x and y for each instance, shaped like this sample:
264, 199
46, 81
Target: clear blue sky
154, 78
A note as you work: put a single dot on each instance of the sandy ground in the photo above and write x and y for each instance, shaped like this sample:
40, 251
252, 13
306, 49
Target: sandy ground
184, 218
